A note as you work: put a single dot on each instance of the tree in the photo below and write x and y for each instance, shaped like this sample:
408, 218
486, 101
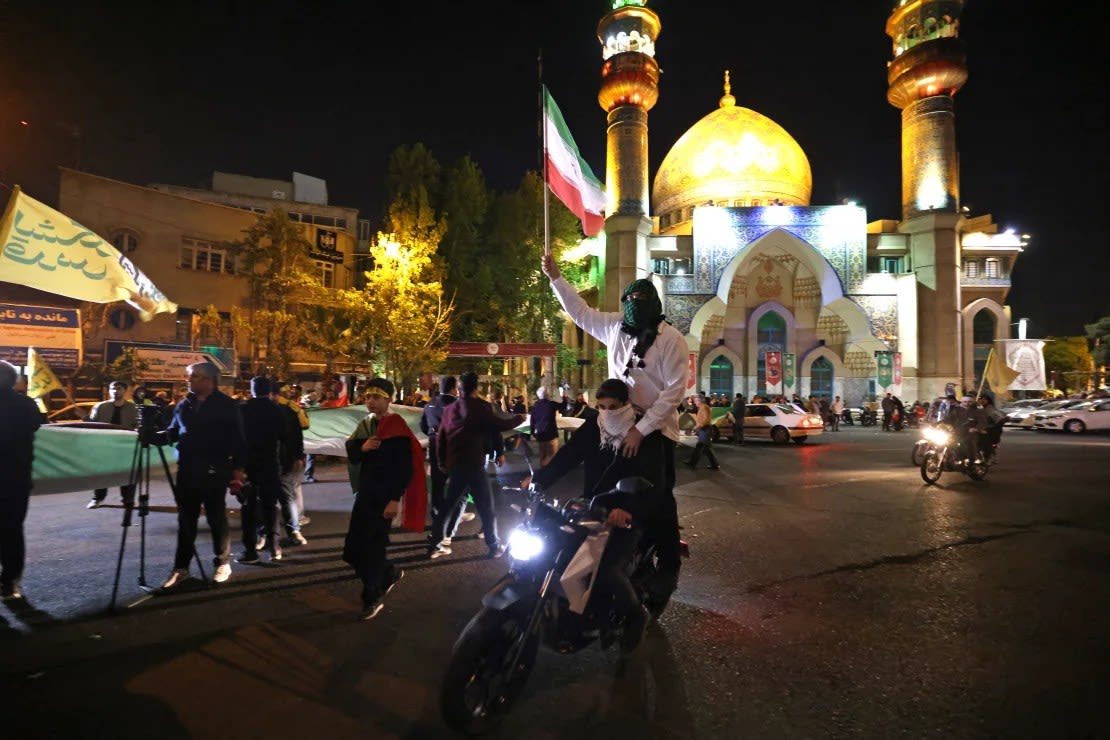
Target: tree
273, 255
1069, 358
1099, 334
470, 271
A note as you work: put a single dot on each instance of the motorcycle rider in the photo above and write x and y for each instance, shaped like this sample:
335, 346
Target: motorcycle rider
596, 445
994, 421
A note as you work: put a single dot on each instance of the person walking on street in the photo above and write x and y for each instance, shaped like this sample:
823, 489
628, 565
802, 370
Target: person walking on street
888, 411
292, 460
430, 421
461, 447
703, 428
544, 425
266, 431
122, 413
211, 454
738, 412
391, 462
21, 419
837, 411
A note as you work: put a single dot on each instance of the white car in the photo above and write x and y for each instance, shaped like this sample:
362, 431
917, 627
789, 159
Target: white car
780, 423
1026, 419
1027, 404
1093, 415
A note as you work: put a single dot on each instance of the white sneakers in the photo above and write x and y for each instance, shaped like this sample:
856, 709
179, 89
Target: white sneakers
223, 572
176, 577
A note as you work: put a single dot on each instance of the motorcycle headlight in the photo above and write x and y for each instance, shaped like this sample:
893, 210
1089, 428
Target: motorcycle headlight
936, 436
524, 545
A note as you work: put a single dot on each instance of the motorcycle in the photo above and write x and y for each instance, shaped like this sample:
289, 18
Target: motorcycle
867, 418
944, 452
543, 600
917, 452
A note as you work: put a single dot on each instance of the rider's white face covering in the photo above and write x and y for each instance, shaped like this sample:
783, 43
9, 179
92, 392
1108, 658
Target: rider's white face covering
615, 424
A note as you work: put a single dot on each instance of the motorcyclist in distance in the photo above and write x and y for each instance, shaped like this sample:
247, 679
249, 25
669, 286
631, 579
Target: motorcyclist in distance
597, 446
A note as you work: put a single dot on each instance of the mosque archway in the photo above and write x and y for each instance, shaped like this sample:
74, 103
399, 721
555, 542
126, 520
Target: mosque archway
821, 378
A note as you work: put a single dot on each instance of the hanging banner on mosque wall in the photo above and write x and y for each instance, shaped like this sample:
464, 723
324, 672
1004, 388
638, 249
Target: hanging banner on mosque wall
885, 375
773, 362
898, 368
788, 372
692, 371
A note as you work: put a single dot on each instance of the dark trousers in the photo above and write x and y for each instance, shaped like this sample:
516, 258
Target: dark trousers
459, 479
367, 539
663, 529
126, 493
439, 486
259, 510
191, 494
13, 550
612, 574
705, 444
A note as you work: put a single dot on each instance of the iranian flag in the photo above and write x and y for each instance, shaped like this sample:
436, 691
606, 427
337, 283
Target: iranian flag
568, 175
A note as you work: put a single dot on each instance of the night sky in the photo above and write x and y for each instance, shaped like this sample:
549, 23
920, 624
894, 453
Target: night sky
330, 89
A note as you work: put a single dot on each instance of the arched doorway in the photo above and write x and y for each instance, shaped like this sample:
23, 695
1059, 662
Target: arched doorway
770, 337
821, 378
720, 377
982, 339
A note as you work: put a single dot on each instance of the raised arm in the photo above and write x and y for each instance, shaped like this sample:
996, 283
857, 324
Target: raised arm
598, 324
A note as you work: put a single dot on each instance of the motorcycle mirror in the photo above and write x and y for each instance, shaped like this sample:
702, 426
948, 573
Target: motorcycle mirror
633, 485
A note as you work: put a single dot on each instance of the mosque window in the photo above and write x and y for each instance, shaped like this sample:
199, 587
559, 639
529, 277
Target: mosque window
971, 268
982, 327
720, 377
992, 267
661, 266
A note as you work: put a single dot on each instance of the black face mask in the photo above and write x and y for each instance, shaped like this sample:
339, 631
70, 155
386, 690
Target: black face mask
642, 307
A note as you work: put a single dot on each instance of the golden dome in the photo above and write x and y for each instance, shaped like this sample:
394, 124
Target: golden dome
734, 157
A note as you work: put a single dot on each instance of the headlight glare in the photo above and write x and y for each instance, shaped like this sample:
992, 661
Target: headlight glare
524, 545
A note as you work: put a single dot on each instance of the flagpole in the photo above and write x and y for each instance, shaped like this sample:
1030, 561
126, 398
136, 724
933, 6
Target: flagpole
983, 379
543, 160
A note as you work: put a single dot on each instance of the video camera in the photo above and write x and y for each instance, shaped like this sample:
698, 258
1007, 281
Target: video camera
151, 425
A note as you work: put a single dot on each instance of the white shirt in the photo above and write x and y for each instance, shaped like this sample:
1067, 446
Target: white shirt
655, 389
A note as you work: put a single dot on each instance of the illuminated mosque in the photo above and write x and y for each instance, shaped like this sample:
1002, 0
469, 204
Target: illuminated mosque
748, 266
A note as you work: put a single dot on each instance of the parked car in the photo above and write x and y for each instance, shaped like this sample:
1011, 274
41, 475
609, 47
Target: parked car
1025, 404
1093, 415
1029, 418
778, 422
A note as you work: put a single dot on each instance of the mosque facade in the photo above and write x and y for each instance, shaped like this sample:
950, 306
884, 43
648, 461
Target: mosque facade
776, 294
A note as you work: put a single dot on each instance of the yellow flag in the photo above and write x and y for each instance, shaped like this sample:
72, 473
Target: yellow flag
998, 373
43, 248
40, 378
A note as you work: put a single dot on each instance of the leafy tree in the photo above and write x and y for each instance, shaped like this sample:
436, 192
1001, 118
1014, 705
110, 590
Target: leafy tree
1070, 359
328, 330
1099, 334
273, 255
470, 271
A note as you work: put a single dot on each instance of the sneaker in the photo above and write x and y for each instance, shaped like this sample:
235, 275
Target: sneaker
11, 591
309, 479
634, 627
439, 551
261, 543
397, 576
305, 521
468, 516
372, 610
94, 504
446, 542
176, 577
276, 554
223, 572
296, 538
248, 558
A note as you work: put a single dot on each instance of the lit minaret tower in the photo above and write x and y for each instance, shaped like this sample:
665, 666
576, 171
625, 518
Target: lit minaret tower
629, 89
928, 68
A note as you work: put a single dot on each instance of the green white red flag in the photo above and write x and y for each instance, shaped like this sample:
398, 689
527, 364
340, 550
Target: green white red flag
568, 175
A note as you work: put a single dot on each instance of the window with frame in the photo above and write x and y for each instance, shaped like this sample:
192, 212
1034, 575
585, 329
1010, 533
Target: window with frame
204, 256
661, 266
720, 377
992, 267
326, 273
125, 241
971, 268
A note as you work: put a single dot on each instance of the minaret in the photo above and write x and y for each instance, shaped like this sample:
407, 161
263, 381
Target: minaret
629, 89
928, 69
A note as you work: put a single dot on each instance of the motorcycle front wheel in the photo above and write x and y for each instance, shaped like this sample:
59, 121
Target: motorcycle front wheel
917, 454
484, 677
931, 467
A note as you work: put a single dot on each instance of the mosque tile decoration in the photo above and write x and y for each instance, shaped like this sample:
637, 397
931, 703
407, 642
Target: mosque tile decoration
882, 311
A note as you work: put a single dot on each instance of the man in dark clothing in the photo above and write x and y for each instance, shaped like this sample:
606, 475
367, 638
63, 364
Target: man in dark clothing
390, 463
888, 411
211, 453
430, 422
122, 413
739, 408
976, 425
292, 461
21, 419
461, 447
544, 425
266, 429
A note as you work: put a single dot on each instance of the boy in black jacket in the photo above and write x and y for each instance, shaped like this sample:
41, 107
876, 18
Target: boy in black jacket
596, 445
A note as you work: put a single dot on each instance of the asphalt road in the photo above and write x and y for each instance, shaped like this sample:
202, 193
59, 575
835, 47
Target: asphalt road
829, 594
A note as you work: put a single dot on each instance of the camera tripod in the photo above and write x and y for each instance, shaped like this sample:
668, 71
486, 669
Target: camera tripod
140, 484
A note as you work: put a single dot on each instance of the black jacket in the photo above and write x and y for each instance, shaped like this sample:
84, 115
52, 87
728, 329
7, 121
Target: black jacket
602, 468
209, 436
19, 420
266, 429
384, 473
292, 446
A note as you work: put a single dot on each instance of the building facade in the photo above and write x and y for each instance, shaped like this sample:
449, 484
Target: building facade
750, 269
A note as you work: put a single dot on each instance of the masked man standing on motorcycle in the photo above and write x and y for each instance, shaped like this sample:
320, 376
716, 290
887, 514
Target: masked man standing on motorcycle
597, 446
650, 356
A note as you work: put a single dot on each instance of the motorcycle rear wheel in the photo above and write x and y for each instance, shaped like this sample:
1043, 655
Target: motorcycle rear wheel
977, 471
931, 467
482, 682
